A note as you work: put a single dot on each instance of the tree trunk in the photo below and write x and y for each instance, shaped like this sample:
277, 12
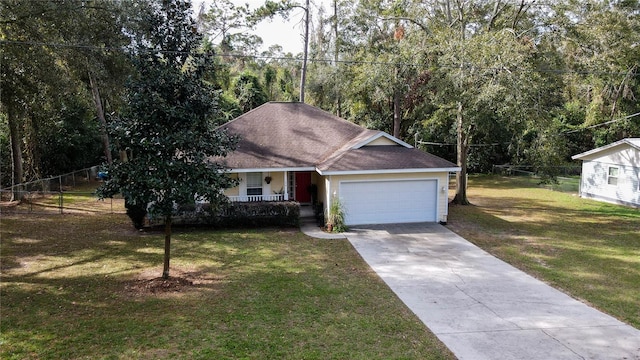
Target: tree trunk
31, 166
463, 152
16, 154
103, 120
167, 246
397, 114
336, 57
303, 77
123, 156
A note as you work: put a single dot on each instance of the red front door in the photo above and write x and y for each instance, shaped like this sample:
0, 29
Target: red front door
303, 180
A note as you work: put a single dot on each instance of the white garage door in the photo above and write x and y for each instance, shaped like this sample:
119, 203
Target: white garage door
385, 202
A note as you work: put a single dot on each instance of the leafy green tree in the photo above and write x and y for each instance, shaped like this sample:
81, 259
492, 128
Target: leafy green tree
72, 139
249, 92
5, 152
598, 41
486, 63
284, 84
225, 24
103, 72
26, 74
378, 71
55, 54
166, 126
283, 8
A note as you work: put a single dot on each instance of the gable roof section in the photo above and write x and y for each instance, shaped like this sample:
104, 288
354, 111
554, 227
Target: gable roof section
297, 136
287, 135
376, 136
592, 154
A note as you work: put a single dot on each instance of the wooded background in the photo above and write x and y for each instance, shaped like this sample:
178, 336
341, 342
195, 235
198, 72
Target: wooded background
482, 82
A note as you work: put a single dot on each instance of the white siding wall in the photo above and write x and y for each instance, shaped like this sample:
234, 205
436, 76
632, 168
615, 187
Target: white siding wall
622, 156
594, 181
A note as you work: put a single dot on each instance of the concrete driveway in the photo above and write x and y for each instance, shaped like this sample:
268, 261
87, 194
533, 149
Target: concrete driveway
483, 308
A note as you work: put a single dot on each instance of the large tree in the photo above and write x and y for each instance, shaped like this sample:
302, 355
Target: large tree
487, 72
599, 42
284, 8
249, 92
55, 55
167, 126
471, 65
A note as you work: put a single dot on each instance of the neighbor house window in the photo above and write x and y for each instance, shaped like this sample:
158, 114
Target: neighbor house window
254, 183
612, 178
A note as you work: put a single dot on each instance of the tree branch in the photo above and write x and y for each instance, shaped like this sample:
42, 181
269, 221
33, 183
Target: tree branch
413, 21
524, 7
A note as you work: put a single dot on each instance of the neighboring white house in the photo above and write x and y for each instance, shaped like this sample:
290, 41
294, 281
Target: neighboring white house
611, 173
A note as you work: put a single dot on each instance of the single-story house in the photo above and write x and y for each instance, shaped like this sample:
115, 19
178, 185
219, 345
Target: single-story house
611, 173
294, 151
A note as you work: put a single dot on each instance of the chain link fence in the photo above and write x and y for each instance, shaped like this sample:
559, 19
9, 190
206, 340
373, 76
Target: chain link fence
567, 177
73, 192
528, 170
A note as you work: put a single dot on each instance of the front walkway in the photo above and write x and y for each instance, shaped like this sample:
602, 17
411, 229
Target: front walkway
309, 227
483, 308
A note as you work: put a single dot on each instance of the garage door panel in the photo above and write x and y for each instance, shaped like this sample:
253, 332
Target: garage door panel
380, 202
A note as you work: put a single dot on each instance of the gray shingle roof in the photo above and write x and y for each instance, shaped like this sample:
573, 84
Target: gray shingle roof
385, 158
280, 135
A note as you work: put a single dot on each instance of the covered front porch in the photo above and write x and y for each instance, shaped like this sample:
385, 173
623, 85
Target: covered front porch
255, 198
299, 185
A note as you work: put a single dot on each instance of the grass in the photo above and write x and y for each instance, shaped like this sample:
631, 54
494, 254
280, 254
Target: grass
569, 184
79, 199
73, 287
589, 249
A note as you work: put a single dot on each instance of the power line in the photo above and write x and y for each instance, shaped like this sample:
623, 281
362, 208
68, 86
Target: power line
506, 143
314, 60
602, 124
91, 47
450, 144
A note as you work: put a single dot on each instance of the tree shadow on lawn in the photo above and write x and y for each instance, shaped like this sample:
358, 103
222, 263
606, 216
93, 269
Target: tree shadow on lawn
593, 223
44, 247
76, 288
82, 287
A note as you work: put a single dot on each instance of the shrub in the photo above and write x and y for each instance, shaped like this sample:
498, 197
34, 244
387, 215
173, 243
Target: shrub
136, 213
335, 218
241, 214
257, 214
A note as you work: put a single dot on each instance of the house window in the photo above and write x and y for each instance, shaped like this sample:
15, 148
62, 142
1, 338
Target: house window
612, 178
254, 183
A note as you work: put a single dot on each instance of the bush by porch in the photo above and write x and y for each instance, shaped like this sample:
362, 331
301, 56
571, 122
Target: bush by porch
237, 214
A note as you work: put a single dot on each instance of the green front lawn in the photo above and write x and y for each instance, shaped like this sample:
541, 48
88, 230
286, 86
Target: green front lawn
85, 287
589, 249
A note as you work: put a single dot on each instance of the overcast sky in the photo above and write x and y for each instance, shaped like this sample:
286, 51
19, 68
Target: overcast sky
287, 34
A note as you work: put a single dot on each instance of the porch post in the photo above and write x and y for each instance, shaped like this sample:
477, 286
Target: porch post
286, 186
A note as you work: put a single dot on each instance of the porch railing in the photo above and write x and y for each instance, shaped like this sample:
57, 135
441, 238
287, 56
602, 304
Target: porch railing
252, 198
